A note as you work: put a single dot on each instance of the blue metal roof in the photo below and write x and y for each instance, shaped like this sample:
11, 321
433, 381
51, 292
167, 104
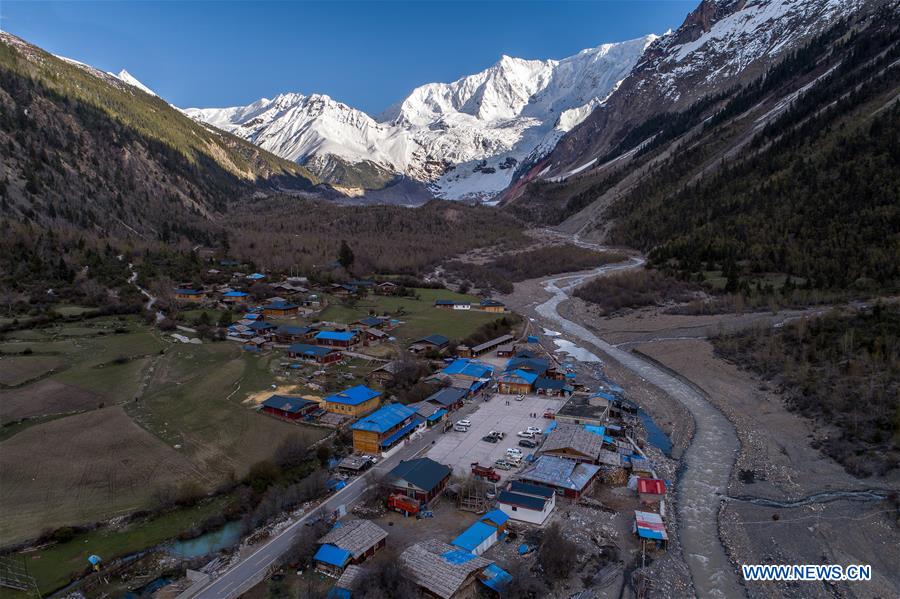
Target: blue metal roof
518, 486
474, 536
354, 396
424, 473
309, 350
447, 396
281, 306
496, 578
438, 340
332, 555
457, 556
597, 430
553, 384
384, 418
526, 501
537, 365
560, 472
528, 377
293, 330
495, 516
234, 294
466, 367
189, 291
371, 321
286, 403
388, 441
256, 276
336, 335
437, 415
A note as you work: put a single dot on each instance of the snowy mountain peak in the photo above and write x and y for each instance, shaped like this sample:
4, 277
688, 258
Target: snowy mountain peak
464, 138
128, 78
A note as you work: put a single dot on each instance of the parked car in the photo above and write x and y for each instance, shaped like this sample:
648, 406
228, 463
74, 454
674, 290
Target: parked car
503, 465
525, 434
460, 429
490, 438
520, 397
528, 443
534, 429
514, 451
465, 422
549, 415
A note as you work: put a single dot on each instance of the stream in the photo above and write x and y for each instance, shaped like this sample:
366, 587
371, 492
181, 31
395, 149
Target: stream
707, 463
816, 498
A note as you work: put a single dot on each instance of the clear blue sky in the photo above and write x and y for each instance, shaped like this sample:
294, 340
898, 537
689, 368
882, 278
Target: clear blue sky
368, 54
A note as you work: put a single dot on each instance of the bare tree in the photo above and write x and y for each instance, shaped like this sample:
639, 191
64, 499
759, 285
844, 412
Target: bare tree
556, 553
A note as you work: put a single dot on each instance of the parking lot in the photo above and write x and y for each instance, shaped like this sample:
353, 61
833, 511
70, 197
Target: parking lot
459, 450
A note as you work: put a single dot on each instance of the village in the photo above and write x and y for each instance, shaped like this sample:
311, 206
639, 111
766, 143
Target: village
459, 480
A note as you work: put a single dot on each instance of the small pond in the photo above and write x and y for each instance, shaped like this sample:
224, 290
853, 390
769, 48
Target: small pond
208, 543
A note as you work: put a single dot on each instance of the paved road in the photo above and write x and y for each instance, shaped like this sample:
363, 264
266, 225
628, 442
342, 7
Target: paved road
252, 569
707, 462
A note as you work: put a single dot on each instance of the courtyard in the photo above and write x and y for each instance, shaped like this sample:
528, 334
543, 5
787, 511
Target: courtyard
459, 450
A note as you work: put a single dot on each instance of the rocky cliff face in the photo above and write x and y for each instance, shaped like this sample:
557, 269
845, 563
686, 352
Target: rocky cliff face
720, 45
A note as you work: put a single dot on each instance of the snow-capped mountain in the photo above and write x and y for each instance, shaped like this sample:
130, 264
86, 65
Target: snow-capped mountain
722, 43
128, 78
464, 138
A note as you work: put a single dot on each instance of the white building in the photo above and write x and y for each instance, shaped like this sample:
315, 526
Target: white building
527, 503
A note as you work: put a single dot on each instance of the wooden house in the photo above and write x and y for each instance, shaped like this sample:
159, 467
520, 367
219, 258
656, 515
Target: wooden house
354, 401
344, 339
422, 479
441, 570
288, 407
294, 334
384, 429
491, 305
191, 296
386, 288
281, 309
314, 353
348, 543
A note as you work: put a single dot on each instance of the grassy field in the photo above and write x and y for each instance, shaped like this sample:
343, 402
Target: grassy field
98, 366
81, 469
196, 402
419, 316
46, 397
16, 370
55, 566
172, 413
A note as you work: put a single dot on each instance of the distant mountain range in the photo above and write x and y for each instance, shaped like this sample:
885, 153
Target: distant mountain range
464, 139
481, 137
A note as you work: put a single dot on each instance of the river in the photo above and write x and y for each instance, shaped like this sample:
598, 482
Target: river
707, 462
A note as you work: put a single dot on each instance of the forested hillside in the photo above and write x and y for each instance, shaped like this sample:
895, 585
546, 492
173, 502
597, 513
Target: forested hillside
816, 195
841, 370
81, 149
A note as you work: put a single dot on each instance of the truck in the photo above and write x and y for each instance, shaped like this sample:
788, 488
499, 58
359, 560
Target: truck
485, 472
408, 506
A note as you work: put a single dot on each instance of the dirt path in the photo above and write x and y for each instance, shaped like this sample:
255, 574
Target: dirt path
707, 462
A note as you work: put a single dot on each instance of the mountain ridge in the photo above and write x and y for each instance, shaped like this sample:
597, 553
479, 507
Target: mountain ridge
464, 138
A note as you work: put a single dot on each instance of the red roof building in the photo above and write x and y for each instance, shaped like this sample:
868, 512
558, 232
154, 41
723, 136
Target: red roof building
651, 490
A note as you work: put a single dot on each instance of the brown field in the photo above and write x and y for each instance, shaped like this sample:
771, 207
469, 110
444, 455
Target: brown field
16, 370
44, 398
99, 467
